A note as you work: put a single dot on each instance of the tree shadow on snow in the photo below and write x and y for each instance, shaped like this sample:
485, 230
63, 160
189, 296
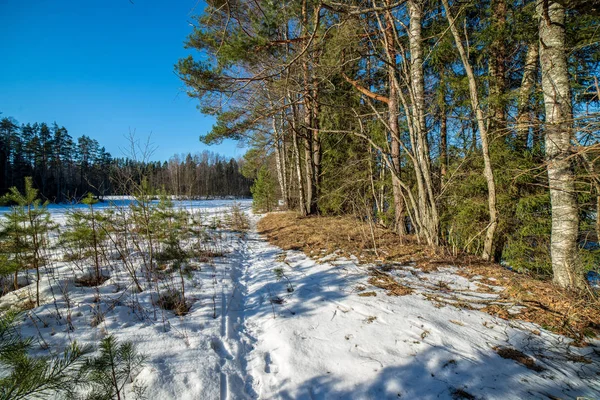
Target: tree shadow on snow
301, 291
438, 374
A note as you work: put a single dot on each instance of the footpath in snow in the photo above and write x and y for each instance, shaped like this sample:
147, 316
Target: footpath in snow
271, 324
325, 341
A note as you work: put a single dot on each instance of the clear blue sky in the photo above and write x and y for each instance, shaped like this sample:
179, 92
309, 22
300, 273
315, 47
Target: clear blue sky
102, 68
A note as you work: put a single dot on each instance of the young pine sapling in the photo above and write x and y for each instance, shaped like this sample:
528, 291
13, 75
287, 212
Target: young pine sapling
112, 369
24, 377
33, 216
280, 274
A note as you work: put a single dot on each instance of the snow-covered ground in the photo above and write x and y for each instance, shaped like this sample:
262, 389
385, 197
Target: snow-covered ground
59, 210
272, 324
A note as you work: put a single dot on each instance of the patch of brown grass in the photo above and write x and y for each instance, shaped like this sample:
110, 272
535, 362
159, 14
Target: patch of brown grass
518, 356
91, 280
570, 314
205, 256
384, 281
367, 294
173, 300
324, 235
28, 304
578, 359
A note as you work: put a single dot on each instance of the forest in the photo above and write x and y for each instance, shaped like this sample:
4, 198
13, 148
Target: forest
470, 125
64, 169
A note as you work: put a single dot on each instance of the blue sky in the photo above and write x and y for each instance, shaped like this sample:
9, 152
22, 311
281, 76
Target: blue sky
103, 68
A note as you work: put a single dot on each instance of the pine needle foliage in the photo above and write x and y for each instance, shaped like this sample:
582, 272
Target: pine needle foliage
237, 220
264, 191
13, 247
85, 235
33, 216
26, 377
112, 369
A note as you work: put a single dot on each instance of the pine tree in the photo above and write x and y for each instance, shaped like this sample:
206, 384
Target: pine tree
35, 219
264, 191
84, 233
112, 369
13, 245
170, 230
25, 377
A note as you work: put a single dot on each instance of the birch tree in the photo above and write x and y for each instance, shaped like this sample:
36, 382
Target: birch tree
558, 134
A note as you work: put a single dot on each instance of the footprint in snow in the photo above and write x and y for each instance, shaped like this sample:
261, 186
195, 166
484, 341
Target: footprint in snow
269, 366
267, 362
219, 347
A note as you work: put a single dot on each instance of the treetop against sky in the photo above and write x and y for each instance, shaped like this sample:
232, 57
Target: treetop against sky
103, 69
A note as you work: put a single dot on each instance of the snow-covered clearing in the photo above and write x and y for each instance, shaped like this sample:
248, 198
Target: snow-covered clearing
266, 323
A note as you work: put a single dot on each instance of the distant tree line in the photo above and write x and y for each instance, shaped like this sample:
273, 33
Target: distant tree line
64, 169
201, 175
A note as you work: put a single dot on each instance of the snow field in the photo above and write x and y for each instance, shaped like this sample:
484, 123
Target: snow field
272, 324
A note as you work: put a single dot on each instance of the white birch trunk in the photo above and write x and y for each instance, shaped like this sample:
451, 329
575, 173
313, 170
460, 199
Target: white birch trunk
558, 134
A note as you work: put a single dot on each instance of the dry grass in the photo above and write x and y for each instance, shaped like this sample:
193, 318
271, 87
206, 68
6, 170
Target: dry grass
91, 280
205, 256
173, 300
384, 281
28, 304
324, 235
237, 220
367, 294
518, 356
573, 315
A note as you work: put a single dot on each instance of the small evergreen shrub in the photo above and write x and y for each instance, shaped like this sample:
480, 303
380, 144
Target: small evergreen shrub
24, 377
109, 372
264, 191
236, 219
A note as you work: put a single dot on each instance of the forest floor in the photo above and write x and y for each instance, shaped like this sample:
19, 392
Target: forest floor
315, 321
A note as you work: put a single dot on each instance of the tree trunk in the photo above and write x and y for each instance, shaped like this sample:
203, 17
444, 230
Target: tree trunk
300, 183
296, 155
417, 84
316, 149
278, 162
393, 114
443, 143
443, 128
497, 123
497, 70
524, 97
559, 130
308, 169
487, 169
284, 164
309, 136
378, 209
399, 214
